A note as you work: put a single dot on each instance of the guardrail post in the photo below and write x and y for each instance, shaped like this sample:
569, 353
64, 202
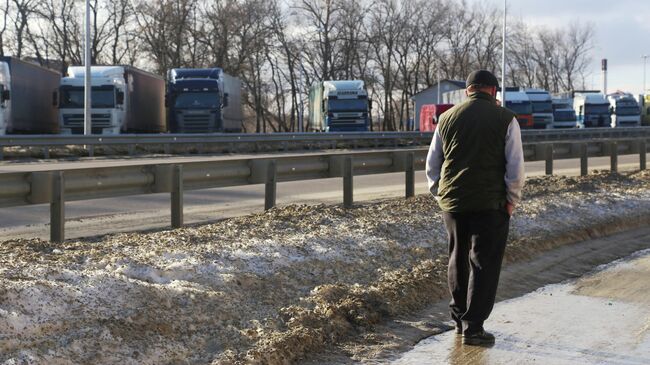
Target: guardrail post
270, 188
584, 160
131, 149
348, 183
549, 159
177, 196
410, 175
642, 155
57, 208
168, 149
613, 158
46, 152
91, 150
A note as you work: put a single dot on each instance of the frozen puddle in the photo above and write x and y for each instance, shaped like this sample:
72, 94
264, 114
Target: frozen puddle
602, 318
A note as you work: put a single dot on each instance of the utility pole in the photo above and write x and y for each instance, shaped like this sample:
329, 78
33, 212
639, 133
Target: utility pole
87, 83
503, 57
645, 58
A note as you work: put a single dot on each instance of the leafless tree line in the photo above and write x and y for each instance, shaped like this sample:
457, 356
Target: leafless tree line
280, 47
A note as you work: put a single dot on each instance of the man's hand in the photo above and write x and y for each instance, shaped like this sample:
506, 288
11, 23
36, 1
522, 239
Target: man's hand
510, 208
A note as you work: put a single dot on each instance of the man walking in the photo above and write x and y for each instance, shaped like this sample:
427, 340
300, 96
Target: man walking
475, 168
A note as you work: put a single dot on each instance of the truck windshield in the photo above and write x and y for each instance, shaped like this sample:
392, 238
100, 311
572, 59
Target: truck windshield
520, 107
564, 116
197, 100
348, 105
542, 107
627, 110
101, 96
597, 109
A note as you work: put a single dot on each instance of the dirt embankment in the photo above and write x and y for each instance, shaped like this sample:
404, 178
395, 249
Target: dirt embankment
271, 287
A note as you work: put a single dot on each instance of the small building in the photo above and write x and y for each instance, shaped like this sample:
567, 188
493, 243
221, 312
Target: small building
430, 94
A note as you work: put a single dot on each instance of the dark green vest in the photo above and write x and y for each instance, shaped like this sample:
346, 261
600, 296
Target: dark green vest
473, 144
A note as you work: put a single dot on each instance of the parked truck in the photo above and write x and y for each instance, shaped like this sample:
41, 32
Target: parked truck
644, 103
563, 114
28, 98
625, 111
203, 100
124, 100
339, 106
518, 102
542, 108
592, 109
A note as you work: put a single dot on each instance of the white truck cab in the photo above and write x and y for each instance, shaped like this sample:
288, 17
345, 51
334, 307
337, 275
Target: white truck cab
625, 110
108, 101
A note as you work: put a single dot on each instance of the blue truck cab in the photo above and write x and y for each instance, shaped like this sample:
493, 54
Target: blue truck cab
203, 101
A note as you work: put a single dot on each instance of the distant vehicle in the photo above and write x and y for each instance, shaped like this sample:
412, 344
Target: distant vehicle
339, 106
124, 100
203, 100
542, 108
520, 104
624, 109
644, 103
563, 114
430, 114
28, 98
592, 109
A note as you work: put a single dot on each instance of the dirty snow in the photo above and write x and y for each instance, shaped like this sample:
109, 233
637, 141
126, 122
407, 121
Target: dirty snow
266, 288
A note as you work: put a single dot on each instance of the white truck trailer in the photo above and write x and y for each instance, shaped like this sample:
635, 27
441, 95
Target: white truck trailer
124, 100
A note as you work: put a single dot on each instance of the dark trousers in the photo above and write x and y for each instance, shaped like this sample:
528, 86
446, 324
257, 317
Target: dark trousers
477, 241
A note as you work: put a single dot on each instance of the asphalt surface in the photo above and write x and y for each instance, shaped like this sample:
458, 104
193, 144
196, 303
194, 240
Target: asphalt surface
143, 212
601, 318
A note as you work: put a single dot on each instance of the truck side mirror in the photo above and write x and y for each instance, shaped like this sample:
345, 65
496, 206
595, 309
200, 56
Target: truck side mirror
370, 104
166, 100
55, 98
580, 110
6, 95
119, 98
226, 98
611, 110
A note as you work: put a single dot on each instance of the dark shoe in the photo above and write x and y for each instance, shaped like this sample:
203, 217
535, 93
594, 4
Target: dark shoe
459, 330
480, 338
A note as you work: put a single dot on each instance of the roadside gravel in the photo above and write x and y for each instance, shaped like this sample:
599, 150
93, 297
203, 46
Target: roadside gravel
271, 287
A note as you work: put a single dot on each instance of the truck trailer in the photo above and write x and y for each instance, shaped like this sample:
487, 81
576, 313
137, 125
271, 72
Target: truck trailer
542, 108
124, 100
203, 101
592, 109
430, 114
339, 106
624, 109
28, 98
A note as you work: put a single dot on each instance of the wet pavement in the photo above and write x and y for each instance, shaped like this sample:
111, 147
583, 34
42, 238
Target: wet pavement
601, 318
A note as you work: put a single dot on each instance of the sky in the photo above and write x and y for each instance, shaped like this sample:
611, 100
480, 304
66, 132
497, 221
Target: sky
622, 34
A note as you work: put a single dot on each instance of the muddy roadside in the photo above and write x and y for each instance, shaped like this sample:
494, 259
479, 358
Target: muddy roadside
276, 287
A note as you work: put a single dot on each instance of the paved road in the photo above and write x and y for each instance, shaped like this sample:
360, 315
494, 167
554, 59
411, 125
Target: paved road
101, 216
602, 318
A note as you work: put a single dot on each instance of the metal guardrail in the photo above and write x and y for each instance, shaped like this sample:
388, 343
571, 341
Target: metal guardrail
167, 143
59, 186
